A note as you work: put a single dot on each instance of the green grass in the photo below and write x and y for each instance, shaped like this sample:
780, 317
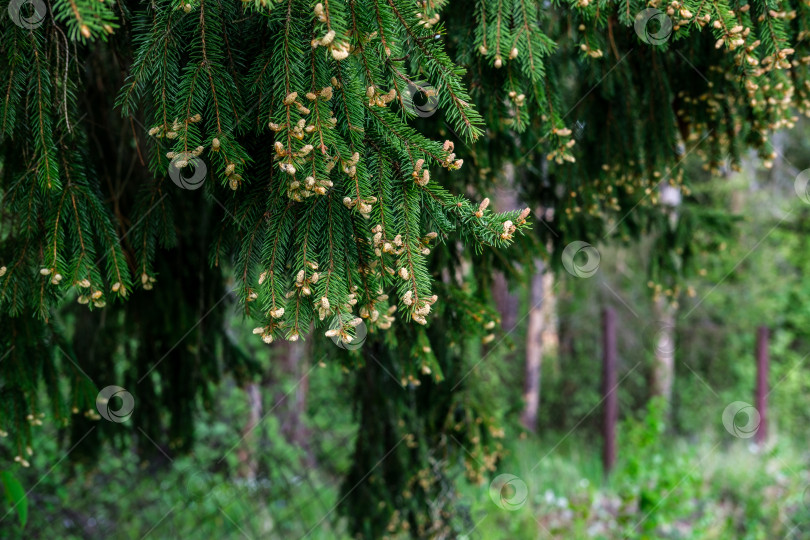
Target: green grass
662, 487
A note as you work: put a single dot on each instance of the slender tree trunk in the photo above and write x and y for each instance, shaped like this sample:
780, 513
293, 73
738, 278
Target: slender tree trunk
534, 350
609, 390
293, 359
506, 303
663, 372
248, 465
550, 335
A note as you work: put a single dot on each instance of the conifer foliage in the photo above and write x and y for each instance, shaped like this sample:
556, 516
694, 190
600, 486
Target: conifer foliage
294, 118
304, 123
331, 204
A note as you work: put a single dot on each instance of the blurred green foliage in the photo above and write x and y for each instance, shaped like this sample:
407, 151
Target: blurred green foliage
680, 474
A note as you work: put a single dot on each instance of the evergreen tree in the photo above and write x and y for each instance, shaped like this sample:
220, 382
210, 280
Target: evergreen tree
342, 149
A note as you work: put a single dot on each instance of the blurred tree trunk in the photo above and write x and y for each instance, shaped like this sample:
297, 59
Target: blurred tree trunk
292, 405
534, 349
248, 466
289, 388
506, 303
663, 372
550, 335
